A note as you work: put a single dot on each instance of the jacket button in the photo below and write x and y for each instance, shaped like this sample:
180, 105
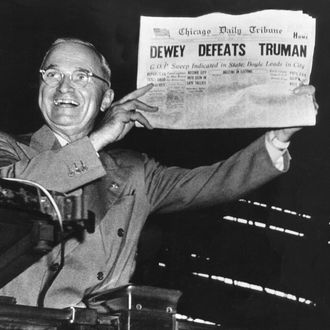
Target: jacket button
54, 267
100, 276
120, 232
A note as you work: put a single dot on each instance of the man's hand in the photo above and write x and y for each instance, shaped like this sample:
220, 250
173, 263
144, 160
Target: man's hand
120, 117
285, 134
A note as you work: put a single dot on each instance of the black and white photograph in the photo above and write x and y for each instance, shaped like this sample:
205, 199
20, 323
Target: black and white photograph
164, 165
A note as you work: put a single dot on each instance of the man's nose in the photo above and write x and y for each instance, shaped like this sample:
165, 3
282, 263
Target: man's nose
65, 84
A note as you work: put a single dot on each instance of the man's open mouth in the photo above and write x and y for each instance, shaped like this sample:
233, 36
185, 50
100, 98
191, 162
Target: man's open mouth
66, 102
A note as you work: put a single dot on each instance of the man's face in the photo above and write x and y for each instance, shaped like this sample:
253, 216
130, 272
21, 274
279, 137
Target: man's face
67, 109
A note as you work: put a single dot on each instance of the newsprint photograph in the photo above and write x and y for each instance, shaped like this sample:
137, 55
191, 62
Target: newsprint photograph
164, 165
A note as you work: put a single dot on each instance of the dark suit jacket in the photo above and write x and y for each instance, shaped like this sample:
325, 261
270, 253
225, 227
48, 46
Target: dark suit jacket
122, 188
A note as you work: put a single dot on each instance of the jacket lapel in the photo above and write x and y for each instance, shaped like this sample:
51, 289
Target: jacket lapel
44, 139
101, 194
40, 141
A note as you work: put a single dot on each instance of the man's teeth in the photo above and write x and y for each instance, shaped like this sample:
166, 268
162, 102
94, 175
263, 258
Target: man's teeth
61, 102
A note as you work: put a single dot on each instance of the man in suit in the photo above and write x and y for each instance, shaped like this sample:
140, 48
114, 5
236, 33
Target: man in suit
121, 187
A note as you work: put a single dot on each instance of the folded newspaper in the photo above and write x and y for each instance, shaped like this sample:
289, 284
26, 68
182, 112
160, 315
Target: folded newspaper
227, 71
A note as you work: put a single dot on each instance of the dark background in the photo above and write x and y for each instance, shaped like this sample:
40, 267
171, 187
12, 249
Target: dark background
28, 28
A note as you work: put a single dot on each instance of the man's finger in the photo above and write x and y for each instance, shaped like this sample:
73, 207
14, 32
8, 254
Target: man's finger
316, 105
136, 94
139, 105
137, 116
305, 89
134, 105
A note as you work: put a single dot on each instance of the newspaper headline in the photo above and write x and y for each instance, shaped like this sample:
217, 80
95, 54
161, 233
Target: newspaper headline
227, 71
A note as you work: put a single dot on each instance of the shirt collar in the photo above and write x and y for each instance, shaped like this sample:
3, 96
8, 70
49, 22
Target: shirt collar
63, 142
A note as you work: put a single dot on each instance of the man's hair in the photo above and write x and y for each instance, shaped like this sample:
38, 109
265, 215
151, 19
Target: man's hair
105, 67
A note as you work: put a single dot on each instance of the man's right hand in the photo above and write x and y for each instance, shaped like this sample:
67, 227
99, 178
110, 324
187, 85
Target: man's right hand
120, 118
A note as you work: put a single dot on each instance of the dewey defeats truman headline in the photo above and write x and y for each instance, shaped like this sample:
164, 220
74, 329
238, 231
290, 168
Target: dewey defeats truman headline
227, 49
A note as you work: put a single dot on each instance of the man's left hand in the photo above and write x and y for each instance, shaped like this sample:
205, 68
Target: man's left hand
285, 134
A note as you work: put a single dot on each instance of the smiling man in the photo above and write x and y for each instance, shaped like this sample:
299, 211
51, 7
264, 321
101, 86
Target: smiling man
121, 187
70, 100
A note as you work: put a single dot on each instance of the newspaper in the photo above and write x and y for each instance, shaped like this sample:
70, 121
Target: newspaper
227, 71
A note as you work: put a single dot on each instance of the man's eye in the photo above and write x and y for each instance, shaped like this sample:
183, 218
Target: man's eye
52, 74
80, 76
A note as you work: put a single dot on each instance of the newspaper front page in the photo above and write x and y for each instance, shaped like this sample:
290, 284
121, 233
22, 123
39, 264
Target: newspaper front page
227, 71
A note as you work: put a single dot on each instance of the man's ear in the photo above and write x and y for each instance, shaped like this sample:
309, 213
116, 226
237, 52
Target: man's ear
107, 99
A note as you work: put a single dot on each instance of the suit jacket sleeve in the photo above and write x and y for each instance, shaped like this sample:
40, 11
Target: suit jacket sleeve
62, 170
173, 188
